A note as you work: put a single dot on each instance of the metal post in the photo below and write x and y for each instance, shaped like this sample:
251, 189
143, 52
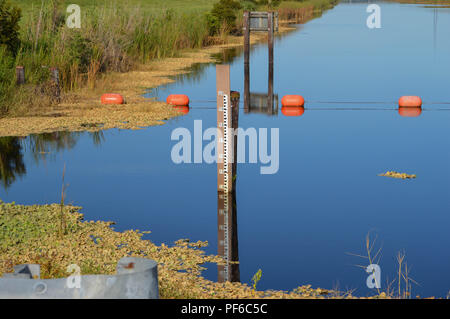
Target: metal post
20, 75
235, 96
270, 24
246, 61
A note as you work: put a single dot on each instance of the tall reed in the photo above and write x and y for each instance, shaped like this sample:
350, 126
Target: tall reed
112, 37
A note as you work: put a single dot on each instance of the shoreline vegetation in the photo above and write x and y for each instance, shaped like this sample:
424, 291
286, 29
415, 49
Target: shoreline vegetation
145, 49
56, 236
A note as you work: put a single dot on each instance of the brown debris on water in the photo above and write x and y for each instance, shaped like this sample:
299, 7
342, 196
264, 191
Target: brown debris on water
394, 174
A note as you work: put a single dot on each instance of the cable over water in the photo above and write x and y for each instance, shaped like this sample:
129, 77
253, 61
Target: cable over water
213, 107
309, 102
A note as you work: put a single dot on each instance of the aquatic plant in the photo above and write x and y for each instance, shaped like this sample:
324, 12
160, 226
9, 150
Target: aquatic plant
31, 234
403, 280
256, 278
394, 174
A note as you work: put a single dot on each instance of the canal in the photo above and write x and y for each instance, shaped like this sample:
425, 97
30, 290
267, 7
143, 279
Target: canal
306, 223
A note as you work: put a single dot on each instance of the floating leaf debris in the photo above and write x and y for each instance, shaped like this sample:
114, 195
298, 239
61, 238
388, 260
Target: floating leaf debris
398, 175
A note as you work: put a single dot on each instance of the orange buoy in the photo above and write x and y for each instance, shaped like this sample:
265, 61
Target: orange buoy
292, 110
112, 98
292, 100
409, 111
182, 109
178, 100
410, 101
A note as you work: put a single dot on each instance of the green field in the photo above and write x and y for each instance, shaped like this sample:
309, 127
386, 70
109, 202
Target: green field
301, 4
151, 7
148, 4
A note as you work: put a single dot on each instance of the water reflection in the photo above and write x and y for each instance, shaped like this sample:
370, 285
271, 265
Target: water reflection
435, 23
40, 146
11, 160
196, 71
260, 103
227, 234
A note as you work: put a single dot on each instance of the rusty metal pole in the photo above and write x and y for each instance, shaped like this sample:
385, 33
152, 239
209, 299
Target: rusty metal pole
55, 78
246, 61
20, 75
235, 96
270, 24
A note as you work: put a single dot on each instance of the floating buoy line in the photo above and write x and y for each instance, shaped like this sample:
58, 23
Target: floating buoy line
294, 105
297, 102
196, 106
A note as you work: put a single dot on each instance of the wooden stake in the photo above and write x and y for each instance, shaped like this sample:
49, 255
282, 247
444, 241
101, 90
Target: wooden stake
55, 78
235, 96
20, 75
270, 24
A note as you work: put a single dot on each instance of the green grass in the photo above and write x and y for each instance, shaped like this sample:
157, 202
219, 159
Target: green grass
147, 6
302, 4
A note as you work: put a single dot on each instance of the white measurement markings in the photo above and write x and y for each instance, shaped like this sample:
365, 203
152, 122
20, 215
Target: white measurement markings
226, 128
226, 143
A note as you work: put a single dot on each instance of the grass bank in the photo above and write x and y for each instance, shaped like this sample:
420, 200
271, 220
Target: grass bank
122, 47
113, 36
56, 236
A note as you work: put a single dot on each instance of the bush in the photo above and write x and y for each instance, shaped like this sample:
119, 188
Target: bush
252, 5
9, 26
79, 51
272, 3
223, 16
249, 5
